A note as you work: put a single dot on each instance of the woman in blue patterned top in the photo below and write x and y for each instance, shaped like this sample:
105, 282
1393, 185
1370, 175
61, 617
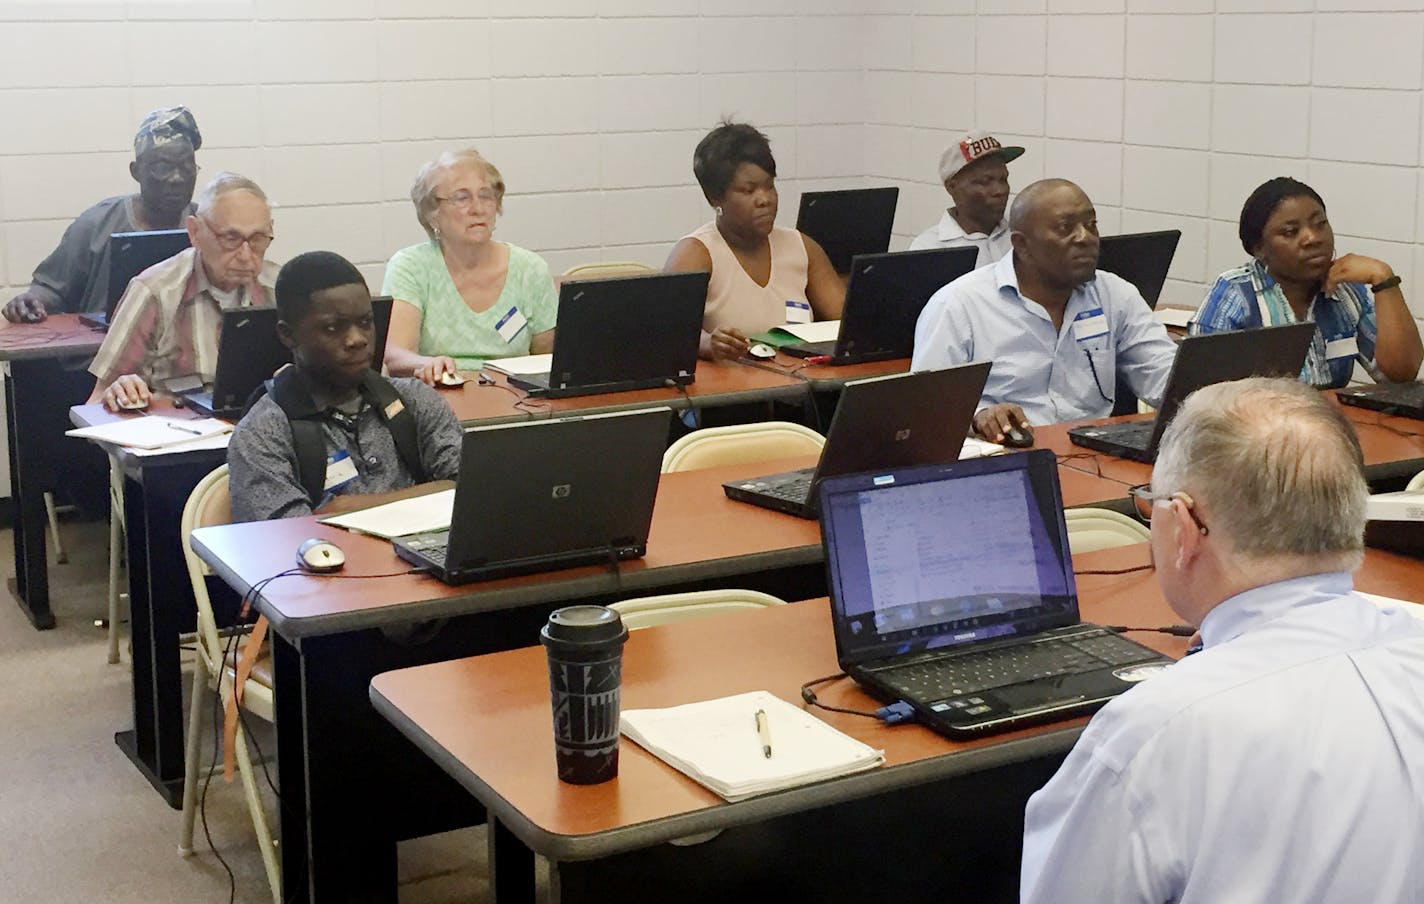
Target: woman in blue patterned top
1294, 276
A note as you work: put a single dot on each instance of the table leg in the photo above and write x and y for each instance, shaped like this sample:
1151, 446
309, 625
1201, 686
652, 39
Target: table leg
161, 609
31, 474
352, 786
511, 866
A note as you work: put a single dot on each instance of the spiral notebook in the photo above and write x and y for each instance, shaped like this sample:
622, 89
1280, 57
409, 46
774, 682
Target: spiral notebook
717, 744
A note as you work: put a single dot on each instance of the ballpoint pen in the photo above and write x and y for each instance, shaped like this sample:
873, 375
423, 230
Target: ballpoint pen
185, 429
764, 732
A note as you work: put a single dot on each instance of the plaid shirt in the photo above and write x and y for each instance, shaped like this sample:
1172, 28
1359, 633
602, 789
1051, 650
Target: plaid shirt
1247, 297
167, 323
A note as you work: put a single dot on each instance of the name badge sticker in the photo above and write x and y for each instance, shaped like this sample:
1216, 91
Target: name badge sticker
340, 470
1090, 325
510, 324
1341, 348
797, 311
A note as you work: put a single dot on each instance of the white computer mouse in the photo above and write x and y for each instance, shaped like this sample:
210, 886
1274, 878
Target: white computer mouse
451, 379
761, 350
134, 404
320, 556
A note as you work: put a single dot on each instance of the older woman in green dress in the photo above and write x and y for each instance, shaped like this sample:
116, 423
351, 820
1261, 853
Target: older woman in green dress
462, 297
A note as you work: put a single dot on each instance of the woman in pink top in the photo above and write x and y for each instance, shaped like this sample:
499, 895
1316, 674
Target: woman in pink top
762, 275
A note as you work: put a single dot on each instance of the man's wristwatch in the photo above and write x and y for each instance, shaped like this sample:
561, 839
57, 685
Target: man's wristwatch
1386, 283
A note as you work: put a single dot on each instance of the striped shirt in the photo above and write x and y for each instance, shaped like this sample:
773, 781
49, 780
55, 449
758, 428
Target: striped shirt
1246, 297
167, 323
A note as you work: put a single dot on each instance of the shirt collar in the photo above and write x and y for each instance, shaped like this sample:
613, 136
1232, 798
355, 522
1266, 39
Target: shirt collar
1268, 282
949, 229
1253, 608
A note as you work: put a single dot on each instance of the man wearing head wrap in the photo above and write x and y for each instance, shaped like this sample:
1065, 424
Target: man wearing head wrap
75, 276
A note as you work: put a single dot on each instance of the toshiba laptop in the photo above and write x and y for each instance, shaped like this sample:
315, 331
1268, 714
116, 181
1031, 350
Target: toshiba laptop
1402, 399
882, 422
631, 332
131, 253
1141, 258
249, 352
1276, 351
884, 298
849, 221
548, 494
952, 589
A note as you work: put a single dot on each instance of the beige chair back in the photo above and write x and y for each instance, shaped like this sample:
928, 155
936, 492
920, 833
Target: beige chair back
1095, 528
605, 270
739, 443
644, 612
1416, 482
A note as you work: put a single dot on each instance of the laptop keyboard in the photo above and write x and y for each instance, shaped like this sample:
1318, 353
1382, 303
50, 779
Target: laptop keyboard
1407, 394
793, 489
968, 673
1137, 434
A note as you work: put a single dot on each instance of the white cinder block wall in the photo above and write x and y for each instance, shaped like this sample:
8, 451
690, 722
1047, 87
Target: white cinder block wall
591, 108
1167, 112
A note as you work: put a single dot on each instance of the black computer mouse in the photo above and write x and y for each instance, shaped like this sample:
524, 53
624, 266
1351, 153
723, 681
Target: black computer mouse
1017, 437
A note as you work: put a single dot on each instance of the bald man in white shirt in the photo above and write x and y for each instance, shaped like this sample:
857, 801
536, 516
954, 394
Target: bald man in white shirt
1283, 762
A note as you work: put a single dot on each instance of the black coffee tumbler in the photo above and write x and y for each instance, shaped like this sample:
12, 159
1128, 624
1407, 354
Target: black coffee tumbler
585, 647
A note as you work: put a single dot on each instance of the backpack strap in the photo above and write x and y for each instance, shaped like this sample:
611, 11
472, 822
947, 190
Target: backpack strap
391, 409
309, 440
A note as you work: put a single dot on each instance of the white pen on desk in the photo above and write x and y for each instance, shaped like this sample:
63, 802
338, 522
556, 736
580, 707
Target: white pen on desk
185, 429
764, 732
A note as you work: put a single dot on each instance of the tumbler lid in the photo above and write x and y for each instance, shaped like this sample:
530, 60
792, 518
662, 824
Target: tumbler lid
593, 625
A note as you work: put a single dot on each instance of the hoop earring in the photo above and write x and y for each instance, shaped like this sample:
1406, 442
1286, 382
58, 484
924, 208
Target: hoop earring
718, 210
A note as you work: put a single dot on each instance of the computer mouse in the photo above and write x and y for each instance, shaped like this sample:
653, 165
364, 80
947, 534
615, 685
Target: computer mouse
134, 404
1017, 437
320, 556
761, 350
451, 379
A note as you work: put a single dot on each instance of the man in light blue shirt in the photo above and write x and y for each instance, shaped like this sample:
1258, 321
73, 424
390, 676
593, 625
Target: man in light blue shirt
1058, 330
1282, 762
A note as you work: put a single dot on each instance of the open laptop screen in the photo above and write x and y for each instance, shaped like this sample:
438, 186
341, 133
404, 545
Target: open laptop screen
931, 557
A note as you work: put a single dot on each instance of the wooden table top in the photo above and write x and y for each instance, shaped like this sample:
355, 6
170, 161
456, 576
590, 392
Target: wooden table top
55, 337
1392, 446
716, 383
697, 532
486, 719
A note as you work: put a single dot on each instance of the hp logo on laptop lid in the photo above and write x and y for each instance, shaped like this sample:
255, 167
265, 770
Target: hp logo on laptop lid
562, 490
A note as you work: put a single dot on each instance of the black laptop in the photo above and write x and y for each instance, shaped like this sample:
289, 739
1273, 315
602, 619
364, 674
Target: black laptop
1402, 399
1141, 258
548, 494
849, 221
131, 253
1275, 351
629, 332
249, 352
952, 589
883, 301
882, 422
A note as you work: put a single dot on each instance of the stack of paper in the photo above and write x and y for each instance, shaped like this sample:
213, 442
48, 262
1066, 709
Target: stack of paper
793, 333
716, 743
525, 364
416, 515
152, 432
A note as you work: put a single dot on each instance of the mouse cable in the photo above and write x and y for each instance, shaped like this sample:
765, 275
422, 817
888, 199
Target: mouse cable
250, 597
1174, 630
892, 714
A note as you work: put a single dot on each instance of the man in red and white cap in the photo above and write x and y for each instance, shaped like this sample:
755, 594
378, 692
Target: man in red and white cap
975, 172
